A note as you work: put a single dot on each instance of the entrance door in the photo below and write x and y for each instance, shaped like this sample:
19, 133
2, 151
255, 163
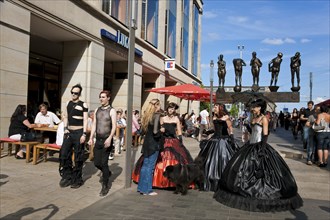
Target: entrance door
44, 85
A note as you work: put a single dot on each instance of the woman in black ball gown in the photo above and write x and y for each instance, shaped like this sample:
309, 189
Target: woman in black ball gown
257, 178
217, 151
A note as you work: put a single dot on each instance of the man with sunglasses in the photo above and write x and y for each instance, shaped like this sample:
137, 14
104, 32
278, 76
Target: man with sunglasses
75, 126
104, 128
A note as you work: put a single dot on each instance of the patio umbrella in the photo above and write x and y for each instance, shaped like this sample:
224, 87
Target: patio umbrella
185, 91
247, 97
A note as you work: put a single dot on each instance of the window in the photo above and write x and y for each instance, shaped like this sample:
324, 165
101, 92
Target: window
195, 41
119, 9
149, 21
170, 29
185, 34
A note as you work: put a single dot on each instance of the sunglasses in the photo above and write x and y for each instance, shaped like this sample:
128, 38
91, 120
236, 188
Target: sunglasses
75, 93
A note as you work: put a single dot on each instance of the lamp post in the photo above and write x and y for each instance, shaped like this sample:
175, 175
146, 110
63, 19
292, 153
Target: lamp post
211, 83
130, 92
240, 48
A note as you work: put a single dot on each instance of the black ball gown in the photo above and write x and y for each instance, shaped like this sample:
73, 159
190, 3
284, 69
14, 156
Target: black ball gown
216, 153
258, 179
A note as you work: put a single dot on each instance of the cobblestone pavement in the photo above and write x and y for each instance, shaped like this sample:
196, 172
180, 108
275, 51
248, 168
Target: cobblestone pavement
32, 192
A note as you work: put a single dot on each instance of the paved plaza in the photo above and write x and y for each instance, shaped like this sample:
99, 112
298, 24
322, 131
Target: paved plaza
32, 192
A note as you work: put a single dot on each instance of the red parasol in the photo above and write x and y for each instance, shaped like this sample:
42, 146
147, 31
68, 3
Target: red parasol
185, 91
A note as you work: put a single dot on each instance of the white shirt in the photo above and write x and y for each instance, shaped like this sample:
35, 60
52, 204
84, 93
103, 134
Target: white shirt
60, 134
50, 118
204, 114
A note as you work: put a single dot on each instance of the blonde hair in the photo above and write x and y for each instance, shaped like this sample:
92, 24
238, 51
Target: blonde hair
148, 113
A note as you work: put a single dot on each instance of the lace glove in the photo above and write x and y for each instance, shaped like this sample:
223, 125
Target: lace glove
180, 138
248, 128
264, 139
232, 137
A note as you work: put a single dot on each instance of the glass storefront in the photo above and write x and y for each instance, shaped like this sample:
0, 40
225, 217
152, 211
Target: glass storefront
44, 84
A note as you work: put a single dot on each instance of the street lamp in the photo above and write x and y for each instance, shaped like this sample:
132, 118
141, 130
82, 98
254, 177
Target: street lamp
240, 48
211, 83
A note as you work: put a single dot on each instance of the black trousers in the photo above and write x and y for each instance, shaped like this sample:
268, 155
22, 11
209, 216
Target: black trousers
68, 169
101, 157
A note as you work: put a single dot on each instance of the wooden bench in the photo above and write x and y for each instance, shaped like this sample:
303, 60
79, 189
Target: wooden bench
9, 142
45, 148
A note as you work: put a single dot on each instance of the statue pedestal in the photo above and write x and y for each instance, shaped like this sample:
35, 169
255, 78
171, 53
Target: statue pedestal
273, 88
221, 89
255, 88
295, 88
237, 88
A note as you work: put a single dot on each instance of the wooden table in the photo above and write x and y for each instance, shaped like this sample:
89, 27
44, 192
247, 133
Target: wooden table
52, 129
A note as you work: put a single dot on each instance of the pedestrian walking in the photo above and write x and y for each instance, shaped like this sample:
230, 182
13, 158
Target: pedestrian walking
75, 127
104, 128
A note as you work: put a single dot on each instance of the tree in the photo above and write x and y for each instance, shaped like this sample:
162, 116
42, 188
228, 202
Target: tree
234, 110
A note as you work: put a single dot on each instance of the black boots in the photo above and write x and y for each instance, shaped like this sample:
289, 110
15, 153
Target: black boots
105, 189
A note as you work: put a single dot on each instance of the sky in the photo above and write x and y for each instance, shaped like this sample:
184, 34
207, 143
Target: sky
269, 27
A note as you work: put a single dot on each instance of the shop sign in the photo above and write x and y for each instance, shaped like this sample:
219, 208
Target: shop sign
169, 64
121, 39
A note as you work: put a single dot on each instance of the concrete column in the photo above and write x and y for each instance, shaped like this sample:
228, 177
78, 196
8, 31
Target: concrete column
119, 86
14, 60
83, 62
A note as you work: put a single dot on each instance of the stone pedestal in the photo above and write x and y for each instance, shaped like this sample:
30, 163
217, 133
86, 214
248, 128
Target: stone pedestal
221, 89
295, 88
255, 88
273, 88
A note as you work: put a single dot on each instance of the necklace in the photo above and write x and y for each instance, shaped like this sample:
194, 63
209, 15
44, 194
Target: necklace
105, 106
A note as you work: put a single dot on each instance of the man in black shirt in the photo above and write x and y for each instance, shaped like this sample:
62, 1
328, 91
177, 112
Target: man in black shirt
308, 142
75, 126
104, 128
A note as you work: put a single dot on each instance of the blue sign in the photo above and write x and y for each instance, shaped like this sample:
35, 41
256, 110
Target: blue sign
120, 39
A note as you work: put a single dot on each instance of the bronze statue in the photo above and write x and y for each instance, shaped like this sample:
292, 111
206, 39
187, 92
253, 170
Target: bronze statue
274, 67
221, 70
255, 64
238, 66
295, 68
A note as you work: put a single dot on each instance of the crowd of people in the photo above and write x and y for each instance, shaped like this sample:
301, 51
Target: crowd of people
251, 177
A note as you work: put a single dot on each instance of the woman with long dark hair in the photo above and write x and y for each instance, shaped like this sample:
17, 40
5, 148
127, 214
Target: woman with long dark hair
294, 122
217, 151
257, 178
19, 124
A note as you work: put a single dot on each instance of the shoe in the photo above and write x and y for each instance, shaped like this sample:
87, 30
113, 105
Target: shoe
150, 194
19, 157
104, 190
111, 156
309, 162
76, 185
65, 183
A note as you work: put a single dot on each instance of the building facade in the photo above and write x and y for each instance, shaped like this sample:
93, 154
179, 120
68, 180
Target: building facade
48, 46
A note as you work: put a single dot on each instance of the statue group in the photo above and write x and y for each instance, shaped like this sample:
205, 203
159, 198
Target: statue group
256, 64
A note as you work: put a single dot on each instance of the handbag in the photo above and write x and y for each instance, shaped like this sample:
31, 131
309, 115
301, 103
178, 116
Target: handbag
28, 136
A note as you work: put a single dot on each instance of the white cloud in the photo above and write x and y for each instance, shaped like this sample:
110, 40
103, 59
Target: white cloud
237, 19
213, 36
289, 40
305, 40
273, 41
209, 14
318, 100
278, 41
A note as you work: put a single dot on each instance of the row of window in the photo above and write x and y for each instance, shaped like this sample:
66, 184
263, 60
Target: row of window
120, 10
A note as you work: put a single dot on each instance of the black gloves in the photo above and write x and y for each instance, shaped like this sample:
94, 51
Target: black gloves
180, 138
264, 139
248, 128
232, 138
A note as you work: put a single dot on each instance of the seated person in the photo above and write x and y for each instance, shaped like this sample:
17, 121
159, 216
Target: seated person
46, 118
19, 124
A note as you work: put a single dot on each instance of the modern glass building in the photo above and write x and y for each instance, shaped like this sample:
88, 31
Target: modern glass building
48, 46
